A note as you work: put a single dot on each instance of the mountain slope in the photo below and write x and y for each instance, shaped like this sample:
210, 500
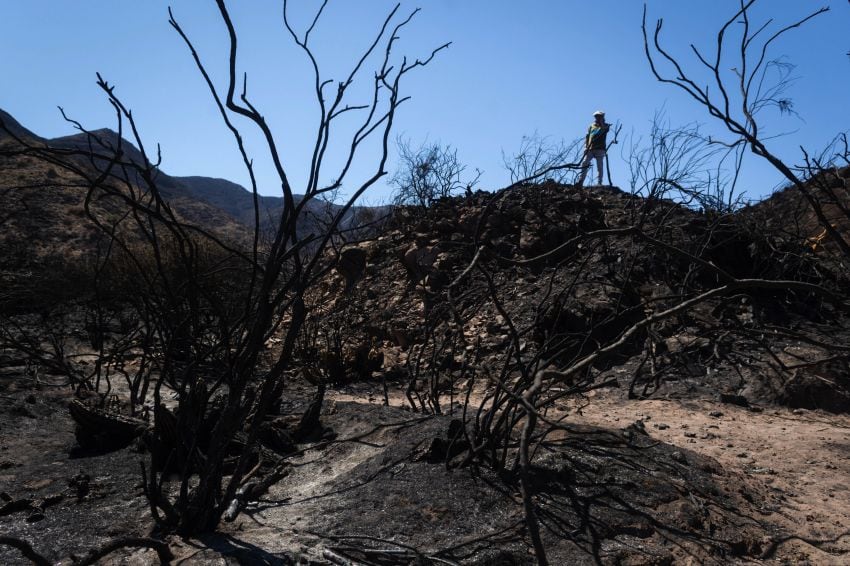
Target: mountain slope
572, 275
42, 205
232, 198
218, 205
8, 125
787, 211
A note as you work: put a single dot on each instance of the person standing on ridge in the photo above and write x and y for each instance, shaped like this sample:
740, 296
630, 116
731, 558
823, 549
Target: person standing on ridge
594, 146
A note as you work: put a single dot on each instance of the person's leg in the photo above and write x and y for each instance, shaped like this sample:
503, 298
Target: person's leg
600, 158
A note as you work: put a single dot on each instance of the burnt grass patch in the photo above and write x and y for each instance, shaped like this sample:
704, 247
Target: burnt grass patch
62, 500
602, 495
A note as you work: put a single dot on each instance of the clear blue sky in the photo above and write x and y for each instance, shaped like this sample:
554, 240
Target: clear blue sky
513, 68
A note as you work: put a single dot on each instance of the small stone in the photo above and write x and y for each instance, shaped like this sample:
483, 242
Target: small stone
661, 426
679, 457
738, 400
636, 427
761, 471
493, 327
690, 435
715, 414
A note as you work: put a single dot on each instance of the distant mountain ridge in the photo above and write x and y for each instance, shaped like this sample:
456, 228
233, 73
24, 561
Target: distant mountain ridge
43, 216
9, 124
233, 198
199, 199
227, 196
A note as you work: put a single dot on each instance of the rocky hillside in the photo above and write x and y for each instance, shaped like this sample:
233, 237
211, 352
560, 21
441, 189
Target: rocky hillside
787, 211
560, 273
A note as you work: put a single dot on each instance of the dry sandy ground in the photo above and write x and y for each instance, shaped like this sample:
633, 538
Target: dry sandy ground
803, 455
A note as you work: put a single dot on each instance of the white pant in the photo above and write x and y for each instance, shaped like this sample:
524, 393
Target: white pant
599, 155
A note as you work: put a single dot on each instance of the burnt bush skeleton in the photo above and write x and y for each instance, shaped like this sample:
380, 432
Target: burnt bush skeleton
203, 342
